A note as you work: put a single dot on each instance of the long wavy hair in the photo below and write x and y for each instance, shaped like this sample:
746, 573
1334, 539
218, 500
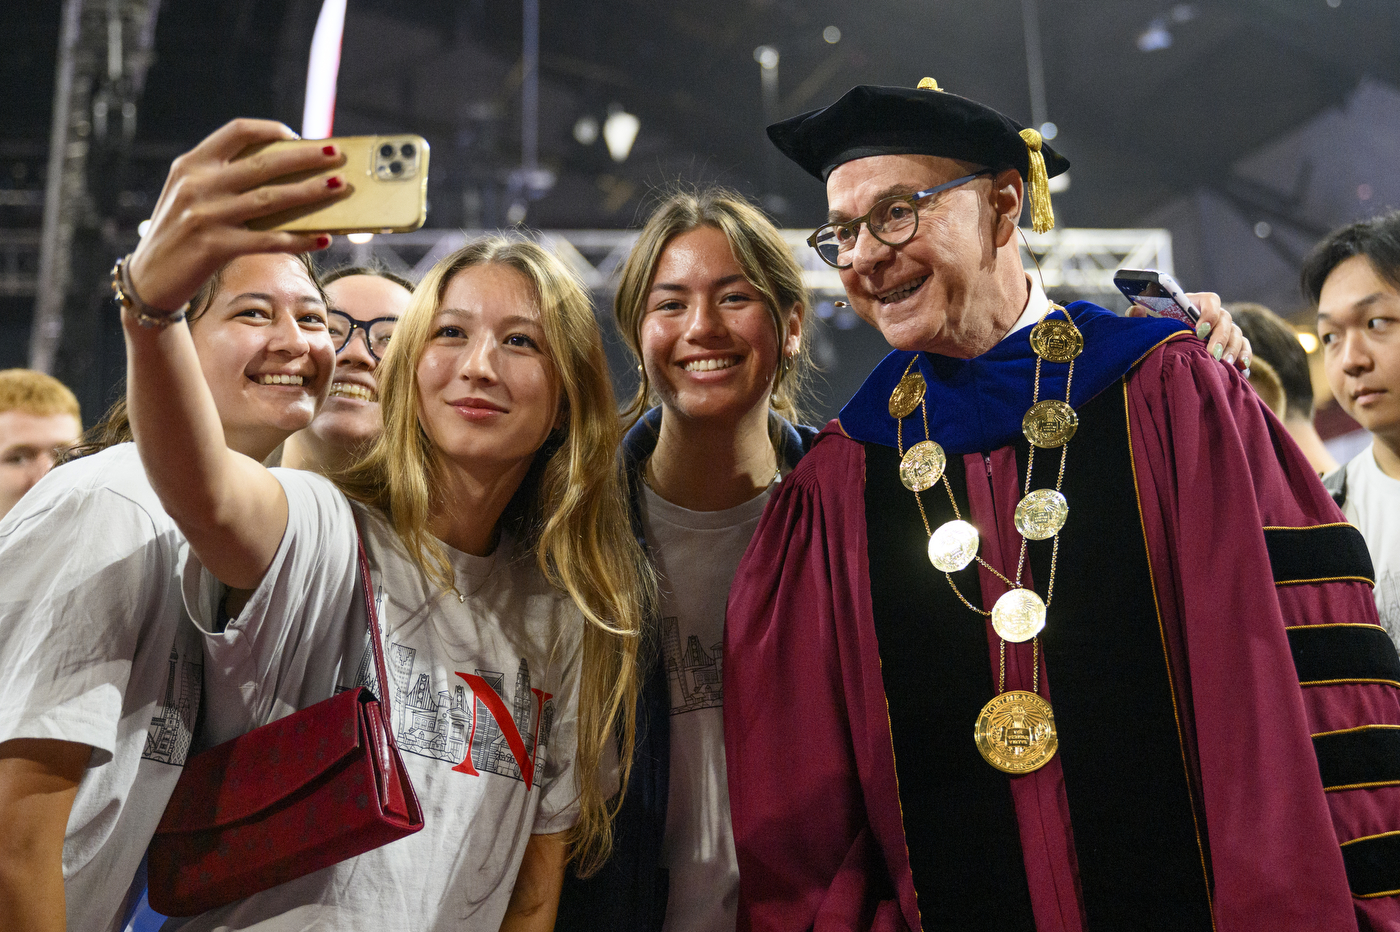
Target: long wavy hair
115, 426
570, 509
767, 263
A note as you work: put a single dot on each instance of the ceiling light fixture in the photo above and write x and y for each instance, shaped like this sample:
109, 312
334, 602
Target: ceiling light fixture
586, 130
1155, 37
619, 132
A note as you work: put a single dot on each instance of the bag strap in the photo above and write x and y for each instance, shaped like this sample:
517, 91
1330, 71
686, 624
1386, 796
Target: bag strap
374, 635
1335, 483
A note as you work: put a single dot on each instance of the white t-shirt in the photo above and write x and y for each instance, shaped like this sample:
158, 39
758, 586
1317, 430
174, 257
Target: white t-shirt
696, 554
486, 781
96, 649
1373, 505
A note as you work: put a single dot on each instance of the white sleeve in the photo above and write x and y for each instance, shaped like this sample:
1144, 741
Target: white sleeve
559, 790
79, 574
282, 652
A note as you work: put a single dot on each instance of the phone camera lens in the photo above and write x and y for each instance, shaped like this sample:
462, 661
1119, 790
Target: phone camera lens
407, 150
396, 167
386, 150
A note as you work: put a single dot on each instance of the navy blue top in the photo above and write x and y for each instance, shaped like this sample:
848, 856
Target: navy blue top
628, 893
976, 405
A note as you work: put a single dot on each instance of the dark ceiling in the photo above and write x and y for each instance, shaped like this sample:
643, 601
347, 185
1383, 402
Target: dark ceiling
1141, 127
1280, 116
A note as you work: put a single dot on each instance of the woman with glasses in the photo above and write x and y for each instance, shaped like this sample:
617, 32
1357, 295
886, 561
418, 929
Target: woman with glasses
711, 302
366, 303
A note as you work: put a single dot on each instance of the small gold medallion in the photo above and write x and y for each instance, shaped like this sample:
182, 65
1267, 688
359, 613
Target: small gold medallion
953, 546
1019, 615
907, 395
1049, 424
1056, 340
1015, 732
922, 466
1041, 514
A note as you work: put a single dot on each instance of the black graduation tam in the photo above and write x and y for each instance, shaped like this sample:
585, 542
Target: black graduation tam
926, 120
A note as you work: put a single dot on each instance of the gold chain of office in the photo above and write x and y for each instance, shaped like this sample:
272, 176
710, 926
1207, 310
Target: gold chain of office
1015, 732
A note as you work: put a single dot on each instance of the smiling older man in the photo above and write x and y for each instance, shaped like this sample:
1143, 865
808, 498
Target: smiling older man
1014, 647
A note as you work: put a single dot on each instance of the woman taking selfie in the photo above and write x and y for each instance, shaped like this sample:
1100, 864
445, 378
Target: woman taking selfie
712, 303
509, 587
102, 680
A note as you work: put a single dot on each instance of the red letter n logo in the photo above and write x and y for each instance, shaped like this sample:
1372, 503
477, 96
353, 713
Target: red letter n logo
509, 729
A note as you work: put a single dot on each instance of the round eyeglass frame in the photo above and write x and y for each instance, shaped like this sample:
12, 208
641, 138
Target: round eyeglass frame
365, 326
883, 203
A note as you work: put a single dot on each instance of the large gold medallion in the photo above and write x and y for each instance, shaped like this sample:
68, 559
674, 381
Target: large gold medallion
1056, 340
1016, 732
1049, 424
907, 395
1041, 514
922, 466
953, 546
1019, 615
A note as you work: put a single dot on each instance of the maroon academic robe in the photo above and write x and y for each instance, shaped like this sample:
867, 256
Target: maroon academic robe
813, 788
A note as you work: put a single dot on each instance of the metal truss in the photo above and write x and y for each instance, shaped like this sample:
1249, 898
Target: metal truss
1079, 260
105, 49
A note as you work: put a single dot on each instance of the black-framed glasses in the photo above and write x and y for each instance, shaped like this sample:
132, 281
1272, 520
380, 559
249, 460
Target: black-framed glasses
377, 332
893, 221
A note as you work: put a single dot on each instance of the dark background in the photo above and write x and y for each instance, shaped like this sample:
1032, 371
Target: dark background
1260, 126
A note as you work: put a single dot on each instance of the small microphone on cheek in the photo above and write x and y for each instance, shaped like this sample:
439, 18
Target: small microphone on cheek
840, 304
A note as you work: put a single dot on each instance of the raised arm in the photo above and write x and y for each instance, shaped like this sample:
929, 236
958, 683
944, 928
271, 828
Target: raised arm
231, 509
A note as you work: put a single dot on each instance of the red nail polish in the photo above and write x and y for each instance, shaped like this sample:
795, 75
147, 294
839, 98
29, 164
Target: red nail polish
328, 150
334, 182
322, 241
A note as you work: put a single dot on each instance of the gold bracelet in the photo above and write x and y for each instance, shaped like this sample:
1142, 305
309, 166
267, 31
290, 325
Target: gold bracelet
129, 300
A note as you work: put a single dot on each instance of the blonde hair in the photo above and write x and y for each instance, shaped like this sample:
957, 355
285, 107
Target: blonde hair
571, 507
33, 392
765, 258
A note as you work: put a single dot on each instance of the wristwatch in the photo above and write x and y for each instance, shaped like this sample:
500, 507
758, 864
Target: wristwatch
129, 300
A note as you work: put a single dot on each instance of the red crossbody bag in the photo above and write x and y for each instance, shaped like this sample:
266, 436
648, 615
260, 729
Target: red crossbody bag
304, 792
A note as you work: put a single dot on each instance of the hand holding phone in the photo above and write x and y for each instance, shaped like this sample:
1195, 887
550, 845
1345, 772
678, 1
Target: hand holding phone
1158, 292
200, 220
1160, 295
387, 175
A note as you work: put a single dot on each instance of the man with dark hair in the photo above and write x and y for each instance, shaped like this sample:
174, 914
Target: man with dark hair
1276, 344
1353, 276
1087, 713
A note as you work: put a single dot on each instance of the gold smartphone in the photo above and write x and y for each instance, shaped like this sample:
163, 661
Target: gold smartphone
389, 175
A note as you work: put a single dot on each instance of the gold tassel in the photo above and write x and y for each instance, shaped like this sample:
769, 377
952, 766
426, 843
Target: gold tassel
928, 84
1042, 215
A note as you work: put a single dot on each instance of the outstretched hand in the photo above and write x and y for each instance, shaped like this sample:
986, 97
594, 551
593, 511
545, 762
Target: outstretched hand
1217, 329
210, 193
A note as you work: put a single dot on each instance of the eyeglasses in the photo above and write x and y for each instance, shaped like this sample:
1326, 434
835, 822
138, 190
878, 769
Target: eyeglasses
377, 332
893, 221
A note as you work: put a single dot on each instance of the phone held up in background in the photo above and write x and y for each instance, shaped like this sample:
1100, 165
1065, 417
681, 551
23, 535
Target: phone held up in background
1158, 292
389, 178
